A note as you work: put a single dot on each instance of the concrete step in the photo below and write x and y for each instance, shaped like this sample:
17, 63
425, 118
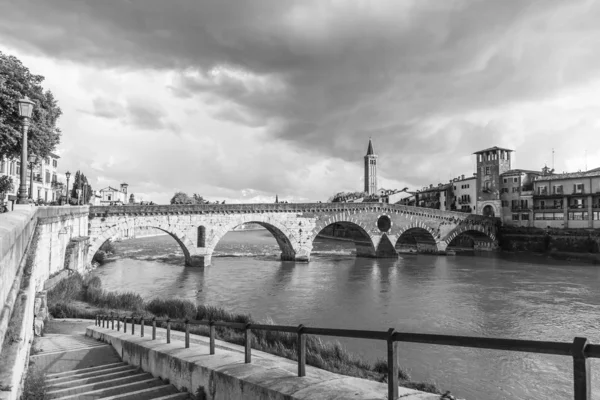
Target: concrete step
64, 361
98, 377
115, 390
159, 392
106, 384
86, 372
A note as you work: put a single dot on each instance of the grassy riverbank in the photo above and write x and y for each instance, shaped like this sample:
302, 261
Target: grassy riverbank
75, 297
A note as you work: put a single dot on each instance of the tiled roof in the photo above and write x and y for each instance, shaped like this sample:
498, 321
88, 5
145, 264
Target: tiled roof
436, 188
109, 189
492, 149
569, 175
520, 171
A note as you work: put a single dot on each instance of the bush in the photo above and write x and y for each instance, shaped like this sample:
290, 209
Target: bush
99, 257
108, 247
172, 308
69, 288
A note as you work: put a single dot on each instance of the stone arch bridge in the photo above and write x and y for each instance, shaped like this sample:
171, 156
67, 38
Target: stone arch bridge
380, 227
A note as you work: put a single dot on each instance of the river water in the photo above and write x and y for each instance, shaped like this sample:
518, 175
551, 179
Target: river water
506, 296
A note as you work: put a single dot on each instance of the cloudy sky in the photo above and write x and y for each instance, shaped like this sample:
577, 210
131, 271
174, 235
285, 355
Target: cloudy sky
242, 100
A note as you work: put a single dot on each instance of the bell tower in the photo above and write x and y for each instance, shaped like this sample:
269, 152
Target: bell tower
370, 170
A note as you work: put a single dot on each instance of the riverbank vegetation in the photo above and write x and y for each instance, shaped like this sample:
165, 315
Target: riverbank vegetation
76, 297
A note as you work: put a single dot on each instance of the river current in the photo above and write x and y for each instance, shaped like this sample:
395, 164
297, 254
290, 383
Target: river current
489, 295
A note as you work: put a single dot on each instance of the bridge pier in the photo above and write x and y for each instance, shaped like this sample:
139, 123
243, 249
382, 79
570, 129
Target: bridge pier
199, 260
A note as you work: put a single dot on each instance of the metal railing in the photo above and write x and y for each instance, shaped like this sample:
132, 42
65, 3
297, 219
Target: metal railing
580, 349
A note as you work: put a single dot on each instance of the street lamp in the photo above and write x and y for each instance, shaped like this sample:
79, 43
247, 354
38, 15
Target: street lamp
32, 160
25, 111
68, 175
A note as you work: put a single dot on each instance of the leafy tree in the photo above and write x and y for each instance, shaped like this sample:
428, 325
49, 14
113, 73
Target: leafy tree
16, 81
197, 199
181, 198
80, 181
6, 184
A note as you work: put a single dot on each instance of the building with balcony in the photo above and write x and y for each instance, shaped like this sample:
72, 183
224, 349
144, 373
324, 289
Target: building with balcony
464, 194
568, 200
439, 197
45, 183
516, 195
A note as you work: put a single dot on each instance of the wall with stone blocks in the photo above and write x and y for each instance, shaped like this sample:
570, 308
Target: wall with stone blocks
36, 239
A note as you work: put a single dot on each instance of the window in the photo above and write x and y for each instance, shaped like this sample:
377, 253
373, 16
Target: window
578, 216
542, 189
524, 204
505, 180
454, 187
504, 203
557, 189
2, 167
515, 180
578, 188
487, 170
54, 163
18, 168
39, 193
109, 197
47, 176
524, 217
577, 203
596, 215
515, 189
559, 216
514, 203
515, 217
53, 177
538, 216
487, 185
47, 161
542, 204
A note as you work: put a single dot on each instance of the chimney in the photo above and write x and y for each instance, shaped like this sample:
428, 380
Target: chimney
462, 177
431, 186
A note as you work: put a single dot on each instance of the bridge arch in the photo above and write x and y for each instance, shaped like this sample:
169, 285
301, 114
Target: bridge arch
284, 237
363, 241
475, 233
417, 237
174, 231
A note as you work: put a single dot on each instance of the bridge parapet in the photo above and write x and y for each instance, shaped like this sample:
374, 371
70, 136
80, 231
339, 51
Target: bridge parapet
98, 211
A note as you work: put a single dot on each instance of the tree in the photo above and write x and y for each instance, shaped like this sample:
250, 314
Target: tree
16, 81
6, 185
181, 198
80, 181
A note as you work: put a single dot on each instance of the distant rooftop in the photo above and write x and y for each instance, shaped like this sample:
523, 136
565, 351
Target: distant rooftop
570, 175
517, 171
495, 148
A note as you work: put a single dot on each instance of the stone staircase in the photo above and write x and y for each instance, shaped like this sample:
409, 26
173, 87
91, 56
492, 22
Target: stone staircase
78, 367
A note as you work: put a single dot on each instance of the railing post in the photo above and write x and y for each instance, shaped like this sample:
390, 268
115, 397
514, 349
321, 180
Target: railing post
168, 330
153, 328
132, 325
247, 340
112, 321
211, 330
301, 351
187, 333
141, 326
581, 370
392, 360
96, 319
125, 324
118, 323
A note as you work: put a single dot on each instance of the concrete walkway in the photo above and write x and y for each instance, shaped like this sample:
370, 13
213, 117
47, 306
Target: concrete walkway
79, 367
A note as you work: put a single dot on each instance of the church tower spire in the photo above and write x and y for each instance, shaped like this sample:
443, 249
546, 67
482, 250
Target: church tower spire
370, 170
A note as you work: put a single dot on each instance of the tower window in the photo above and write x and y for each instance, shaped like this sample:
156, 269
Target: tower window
487, 170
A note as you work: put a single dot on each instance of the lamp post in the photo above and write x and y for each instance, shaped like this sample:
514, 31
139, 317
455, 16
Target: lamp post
25, 111
68, 175
32, 161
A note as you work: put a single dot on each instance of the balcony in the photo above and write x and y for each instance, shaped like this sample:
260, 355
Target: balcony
577, 206
520, 208
547, 207
578, 192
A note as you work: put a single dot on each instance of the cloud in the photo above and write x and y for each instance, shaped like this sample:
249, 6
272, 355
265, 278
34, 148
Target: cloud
137, 113
306, 81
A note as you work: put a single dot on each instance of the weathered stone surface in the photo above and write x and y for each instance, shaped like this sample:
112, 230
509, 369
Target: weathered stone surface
38, 327
198, 229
